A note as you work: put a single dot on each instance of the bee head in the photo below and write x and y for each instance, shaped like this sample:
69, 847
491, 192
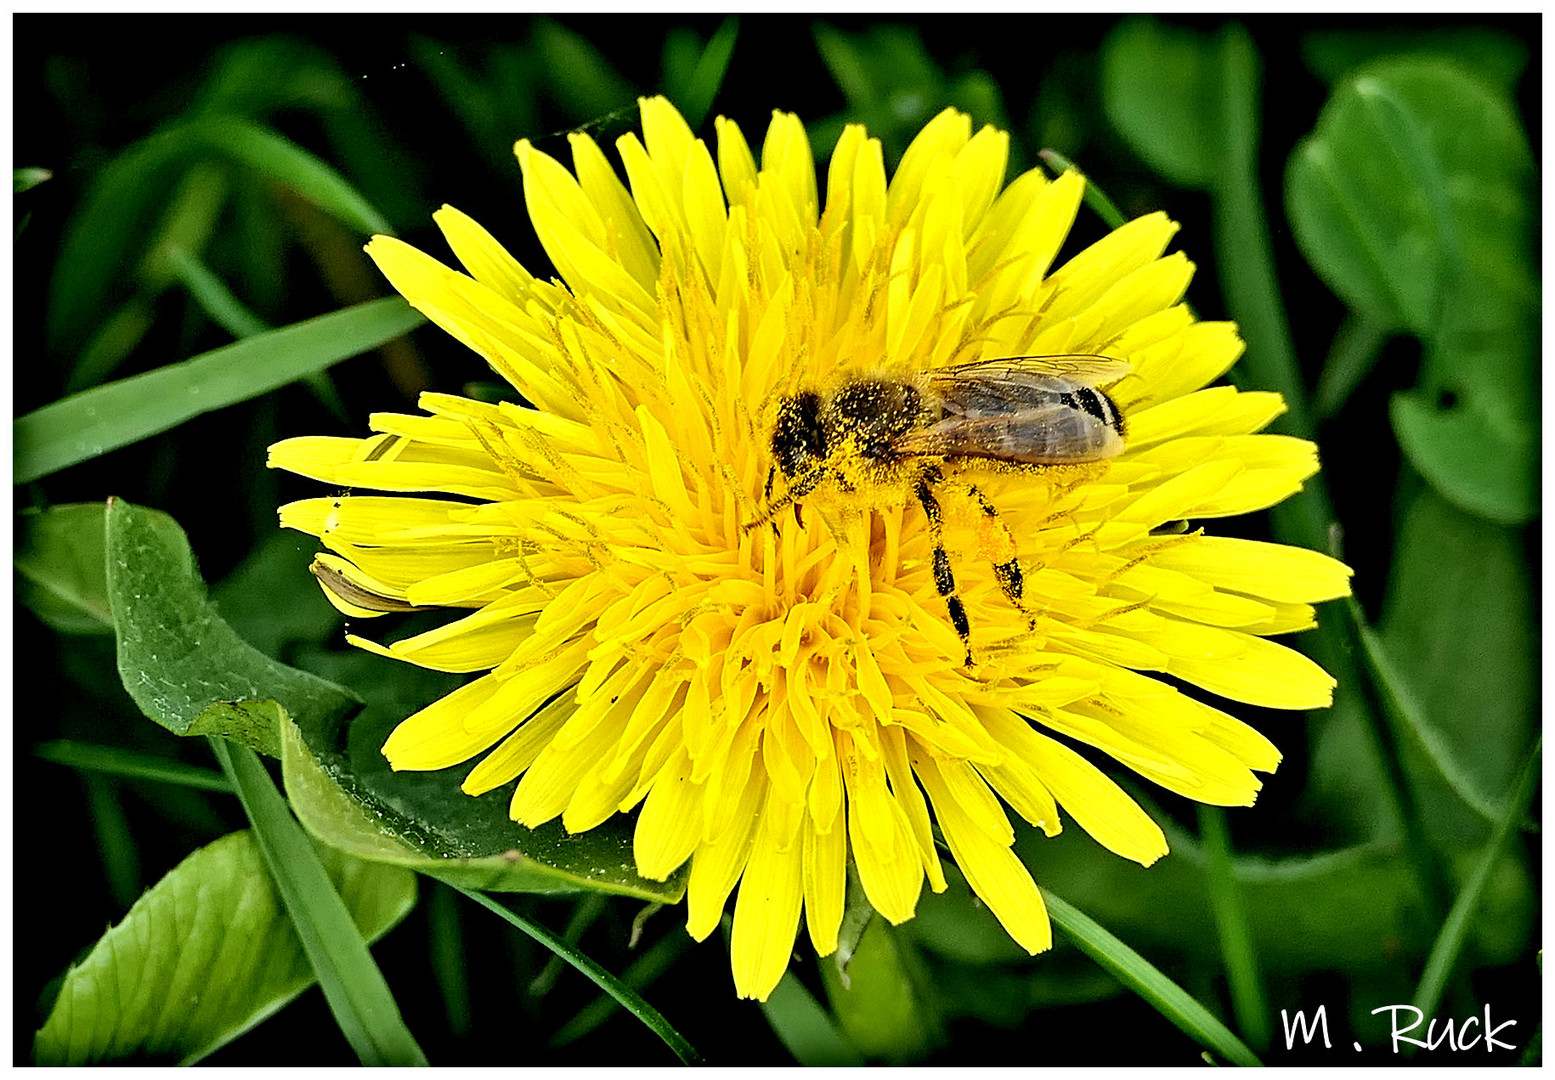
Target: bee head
798, 441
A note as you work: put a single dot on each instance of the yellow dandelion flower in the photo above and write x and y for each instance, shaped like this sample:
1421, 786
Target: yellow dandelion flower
780, 653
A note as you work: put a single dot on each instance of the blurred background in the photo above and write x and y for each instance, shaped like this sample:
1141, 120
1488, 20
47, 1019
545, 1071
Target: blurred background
143, 246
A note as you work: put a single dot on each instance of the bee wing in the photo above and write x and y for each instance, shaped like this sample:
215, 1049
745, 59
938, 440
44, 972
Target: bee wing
1087, 368
1036, 433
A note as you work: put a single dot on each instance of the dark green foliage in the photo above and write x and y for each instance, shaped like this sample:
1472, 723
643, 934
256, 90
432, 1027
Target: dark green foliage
1360, 195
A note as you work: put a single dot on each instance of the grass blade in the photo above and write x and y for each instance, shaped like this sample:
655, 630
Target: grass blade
284, 162
363, 1005
647, 967
117, 761
600, 977
1455, 928
107, 417
1142, 977
708, 75
1248, 1000
211, 294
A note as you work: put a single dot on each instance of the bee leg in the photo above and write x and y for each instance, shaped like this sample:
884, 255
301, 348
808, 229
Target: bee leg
1002, 553
944, 578
796, 491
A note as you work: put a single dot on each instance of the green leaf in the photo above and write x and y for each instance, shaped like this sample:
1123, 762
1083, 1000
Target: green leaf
1468, 457
201, 957
1493, 55
1369, 208
1414, 200
879, 1003
356, 991
104, 418
1142, 977
29, 178
271, 599
1460, 635
62, 570
345, 794
1161, 87
805, 1029
183, 665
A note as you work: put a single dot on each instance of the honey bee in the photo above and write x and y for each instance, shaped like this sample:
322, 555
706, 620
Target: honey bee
878, 439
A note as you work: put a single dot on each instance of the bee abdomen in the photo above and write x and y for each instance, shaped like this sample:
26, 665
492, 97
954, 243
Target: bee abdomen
1095, 404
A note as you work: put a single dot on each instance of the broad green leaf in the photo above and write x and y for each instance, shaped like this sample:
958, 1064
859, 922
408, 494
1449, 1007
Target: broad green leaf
62, 572
1368, 204
805, 1028
347, 797
107, 417
429, 812
272, 600
1472, 426
1414, 200
1487, 467
882, 1010
202, 957
1493, 55
355, 989
185, 667
1133, 971
1460, 633
1161, 87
